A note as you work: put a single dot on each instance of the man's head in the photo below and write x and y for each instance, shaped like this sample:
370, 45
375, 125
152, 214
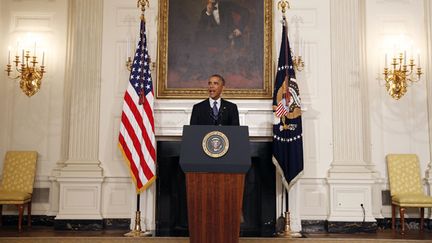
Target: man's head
216, 84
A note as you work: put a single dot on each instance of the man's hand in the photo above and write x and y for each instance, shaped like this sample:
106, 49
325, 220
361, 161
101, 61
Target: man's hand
237, 33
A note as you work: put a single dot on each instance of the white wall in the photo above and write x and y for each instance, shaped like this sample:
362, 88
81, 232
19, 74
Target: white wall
34, 123
397, 126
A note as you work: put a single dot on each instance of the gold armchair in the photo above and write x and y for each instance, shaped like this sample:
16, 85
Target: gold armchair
405, 187
17, 182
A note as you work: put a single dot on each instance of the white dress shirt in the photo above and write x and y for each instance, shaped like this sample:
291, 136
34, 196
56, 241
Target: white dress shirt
216, 16
218, 103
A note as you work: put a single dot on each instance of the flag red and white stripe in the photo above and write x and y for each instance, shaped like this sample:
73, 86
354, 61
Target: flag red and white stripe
281, 109
137, 138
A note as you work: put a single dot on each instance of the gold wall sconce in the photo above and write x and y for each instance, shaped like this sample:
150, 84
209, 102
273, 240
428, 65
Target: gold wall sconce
400, 75
26, 71
129, 60
129, 63
130, 52
298, 63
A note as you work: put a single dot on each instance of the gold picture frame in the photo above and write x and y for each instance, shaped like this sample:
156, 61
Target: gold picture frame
188, 54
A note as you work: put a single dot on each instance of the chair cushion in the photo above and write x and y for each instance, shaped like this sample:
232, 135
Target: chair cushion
404, 174
14, 197
412, 200
19, 171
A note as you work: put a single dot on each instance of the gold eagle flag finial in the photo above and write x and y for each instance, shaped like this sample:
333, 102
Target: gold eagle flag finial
283, 5
143, 4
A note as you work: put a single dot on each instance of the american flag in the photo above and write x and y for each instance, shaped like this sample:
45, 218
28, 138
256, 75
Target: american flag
137, 139
287, 128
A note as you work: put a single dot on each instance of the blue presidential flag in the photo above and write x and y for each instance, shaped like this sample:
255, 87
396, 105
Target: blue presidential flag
287, 125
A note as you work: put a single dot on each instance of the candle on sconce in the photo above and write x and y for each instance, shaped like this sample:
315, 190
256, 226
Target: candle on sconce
385, 60
43, 58
135, 45
418, 58
302, 47
34, 52
404, 57
412, 52
9, 55
296, 45
298, 51
23, 56
127, 47
17, 49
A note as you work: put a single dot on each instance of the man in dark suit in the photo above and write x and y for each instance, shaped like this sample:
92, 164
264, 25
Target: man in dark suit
215, 110
221, 36
222, 24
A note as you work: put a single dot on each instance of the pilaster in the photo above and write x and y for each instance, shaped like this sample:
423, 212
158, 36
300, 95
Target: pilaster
80, 177
350, 177
427, 77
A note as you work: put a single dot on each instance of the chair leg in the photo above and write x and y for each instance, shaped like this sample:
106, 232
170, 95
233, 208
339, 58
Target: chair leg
402, 219
393, 216
20, 215
421, 219
1, 215
29, 214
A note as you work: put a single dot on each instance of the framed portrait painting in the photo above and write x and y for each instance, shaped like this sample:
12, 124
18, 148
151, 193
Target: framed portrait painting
198, 38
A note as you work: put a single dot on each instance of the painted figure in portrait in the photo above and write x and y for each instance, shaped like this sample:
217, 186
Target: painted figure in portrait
215, 36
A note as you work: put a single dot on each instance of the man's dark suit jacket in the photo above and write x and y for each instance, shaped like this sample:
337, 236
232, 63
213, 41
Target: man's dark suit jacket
202, 114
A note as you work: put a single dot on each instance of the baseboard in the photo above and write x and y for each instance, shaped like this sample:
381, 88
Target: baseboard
92, 225
72, 224
308, 226
314, 226
77, 225
351, 227
324, 226
37, 220
410, 223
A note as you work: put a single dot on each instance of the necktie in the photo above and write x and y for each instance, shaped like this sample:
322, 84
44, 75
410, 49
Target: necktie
215, 110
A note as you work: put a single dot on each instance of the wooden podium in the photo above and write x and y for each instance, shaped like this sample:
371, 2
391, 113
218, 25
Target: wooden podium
215, 160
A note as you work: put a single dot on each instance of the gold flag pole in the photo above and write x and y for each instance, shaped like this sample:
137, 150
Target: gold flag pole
137, 230
283, 5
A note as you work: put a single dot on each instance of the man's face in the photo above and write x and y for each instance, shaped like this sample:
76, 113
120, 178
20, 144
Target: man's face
215, 87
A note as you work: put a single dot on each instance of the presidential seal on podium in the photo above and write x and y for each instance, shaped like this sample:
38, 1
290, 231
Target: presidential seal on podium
215, 144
